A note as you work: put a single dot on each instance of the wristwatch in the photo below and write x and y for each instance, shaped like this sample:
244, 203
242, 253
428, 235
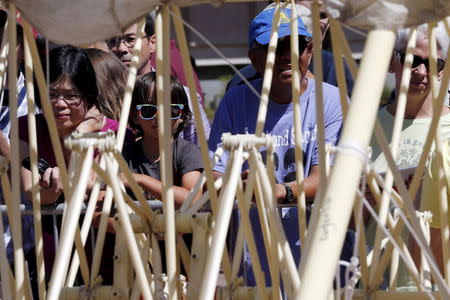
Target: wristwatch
289, 198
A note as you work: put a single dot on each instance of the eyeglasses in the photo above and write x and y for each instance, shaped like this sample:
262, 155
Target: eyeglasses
417, 61
149, 111
284, 44
127, 40
69, 99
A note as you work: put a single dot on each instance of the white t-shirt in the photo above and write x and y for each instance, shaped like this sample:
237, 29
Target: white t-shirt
411, 142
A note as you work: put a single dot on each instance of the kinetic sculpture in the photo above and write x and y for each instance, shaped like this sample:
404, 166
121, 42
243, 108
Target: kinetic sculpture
137, 226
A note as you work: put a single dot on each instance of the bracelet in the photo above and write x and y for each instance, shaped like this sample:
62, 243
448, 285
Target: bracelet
289, 198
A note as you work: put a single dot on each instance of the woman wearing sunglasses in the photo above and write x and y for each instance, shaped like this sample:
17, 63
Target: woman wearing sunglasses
143, 156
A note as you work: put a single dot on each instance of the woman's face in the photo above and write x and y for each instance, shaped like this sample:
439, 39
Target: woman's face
150, 127
69, 107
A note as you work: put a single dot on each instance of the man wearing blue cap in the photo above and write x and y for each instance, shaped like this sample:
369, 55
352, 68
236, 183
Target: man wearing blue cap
238, 109
237, 113
328, 67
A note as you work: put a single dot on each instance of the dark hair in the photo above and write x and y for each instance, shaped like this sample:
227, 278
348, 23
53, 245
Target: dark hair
74, 64
111, 77
149, 25
145, 92
19, 29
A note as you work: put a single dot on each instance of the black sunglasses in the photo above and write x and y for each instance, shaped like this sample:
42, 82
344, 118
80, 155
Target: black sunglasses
417, 61
149, 111
283, 44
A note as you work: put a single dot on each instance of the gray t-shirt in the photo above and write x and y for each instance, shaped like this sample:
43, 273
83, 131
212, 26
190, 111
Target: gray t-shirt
186, 158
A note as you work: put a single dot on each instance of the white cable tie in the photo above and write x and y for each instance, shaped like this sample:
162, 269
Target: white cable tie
426, 216
352, 148
247, 141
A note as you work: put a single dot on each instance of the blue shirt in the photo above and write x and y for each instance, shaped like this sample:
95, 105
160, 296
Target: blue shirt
237, 114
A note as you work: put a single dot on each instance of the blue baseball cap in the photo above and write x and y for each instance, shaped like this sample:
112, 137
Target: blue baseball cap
261, 26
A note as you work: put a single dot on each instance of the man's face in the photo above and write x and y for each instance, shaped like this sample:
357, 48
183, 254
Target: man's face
420, 76
123, 47
282, 70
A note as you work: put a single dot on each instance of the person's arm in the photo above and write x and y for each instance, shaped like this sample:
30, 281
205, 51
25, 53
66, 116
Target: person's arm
50, 184
93, 121
4, 146
310, 185
190, 131
435, 246
223, 122
217, 175
429, 201
154, 186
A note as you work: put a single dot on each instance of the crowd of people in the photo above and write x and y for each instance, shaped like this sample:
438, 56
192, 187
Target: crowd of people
86, 87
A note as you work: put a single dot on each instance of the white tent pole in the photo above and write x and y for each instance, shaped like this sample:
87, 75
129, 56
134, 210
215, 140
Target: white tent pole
317, 55
84, 232
268, 72
272, 259
66, 241
337, 31
4, 59
16, 228
340, 71
33, 151
99, 243
121, 282
343, 45
243, 204
200, 245
238, 251
280, 245
362, 250
444, 207
396, 131
163, 96
204, 198
6, 283
332, 223
128, 230
187, 66
296, 78
156, 261
149, 214
384, 261
226, 200
131, 79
